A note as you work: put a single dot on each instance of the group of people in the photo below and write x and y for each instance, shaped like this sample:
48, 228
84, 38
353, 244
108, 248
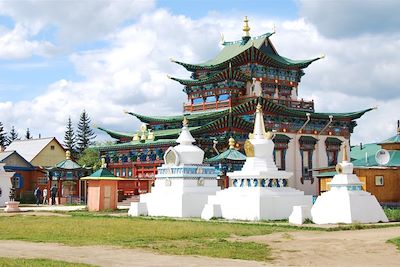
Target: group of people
39, 194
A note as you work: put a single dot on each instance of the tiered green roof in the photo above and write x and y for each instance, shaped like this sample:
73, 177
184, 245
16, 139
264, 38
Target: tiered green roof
102, 174
227, 74
229, 154
371, 161
233, 51
392, 140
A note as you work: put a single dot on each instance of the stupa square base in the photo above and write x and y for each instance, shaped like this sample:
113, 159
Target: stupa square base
343, 206
171, 203
257, 203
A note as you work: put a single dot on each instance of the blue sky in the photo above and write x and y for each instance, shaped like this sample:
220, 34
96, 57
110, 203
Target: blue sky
60, 57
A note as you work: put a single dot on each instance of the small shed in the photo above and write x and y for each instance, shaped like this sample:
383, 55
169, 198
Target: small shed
102, 188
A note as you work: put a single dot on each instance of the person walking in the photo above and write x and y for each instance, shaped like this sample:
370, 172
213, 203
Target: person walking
38, 194
53, 192
45, 200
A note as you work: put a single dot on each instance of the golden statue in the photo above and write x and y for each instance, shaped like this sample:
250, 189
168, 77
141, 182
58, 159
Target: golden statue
249, 148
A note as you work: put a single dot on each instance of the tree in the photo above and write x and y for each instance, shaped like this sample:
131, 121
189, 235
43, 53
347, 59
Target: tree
3, 136
85, 134
28, 134
69, 137
90, 157
12, 136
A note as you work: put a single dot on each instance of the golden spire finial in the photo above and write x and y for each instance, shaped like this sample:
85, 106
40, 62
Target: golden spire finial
398, 127
103, 162
246, 27
345, 156
67, 154
231, 143
258, 108
185, 122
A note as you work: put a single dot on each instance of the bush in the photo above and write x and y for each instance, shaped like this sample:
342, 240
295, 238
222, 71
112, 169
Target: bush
27, 197
393, 214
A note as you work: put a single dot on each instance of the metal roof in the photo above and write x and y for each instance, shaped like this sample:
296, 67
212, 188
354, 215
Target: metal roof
29, 149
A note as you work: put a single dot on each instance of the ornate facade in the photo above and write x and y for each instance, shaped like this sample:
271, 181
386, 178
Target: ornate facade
222, 96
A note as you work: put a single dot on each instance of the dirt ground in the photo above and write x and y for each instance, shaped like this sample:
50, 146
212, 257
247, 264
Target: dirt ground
300, 248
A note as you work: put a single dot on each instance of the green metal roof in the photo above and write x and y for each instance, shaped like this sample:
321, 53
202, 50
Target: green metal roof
227, 74
179, 118
270, 105
138, 144
326, 174
356, 152
102, 174
392, 140
371, 161
68, 165
229, 154
234, 49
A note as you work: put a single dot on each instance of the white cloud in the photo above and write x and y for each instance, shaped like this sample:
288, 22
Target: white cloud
349, 18
130, 73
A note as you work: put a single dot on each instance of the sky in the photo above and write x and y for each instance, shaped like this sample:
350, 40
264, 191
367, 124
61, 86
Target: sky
58, 58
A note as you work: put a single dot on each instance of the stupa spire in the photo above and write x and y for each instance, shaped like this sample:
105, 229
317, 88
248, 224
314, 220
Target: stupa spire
185, 138
246, 27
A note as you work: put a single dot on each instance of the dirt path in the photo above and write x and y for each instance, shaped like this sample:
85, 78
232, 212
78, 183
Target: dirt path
111, 256
302, 248
341, 248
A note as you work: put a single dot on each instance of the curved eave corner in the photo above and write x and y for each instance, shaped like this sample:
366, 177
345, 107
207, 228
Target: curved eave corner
114, 134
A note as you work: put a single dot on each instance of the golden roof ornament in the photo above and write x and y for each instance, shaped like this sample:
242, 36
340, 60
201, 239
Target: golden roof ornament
249, 148
185, 122
103, 162
150, 136
143, 128
398, 127
345, 155
246, 27
231, 143
67, 154
135, 137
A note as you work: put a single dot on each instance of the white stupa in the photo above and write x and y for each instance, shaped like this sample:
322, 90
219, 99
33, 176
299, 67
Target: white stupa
5, 185
259, 191
346, 202
183, 182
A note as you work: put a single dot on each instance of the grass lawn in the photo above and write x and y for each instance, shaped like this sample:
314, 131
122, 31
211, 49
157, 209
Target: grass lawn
179, 237
11, 262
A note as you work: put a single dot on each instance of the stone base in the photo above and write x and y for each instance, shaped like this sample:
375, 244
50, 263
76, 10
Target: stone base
300, 214
343, 206
211, 211
175, 202
137, 209
252, 203
12, 206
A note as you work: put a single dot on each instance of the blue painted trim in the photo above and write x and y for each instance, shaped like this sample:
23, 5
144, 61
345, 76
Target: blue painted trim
17, 168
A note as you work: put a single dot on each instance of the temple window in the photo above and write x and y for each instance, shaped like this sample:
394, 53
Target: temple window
281, 142
332, 150
307, 146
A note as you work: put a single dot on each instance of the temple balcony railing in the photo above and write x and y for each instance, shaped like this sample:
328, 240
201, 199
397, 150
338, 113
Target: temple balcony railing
188, 107
292, 104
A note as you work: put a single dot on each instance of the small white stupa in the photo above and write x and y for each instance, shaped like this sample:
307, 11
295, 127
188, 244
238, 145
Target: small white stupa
259, 191
5, 185
346, 202
183, 182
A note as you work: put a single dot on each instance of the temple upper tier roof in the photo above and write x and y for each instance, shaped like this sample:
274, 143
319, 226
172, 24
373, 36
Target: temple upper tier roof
268, 105
227, 74
233, 51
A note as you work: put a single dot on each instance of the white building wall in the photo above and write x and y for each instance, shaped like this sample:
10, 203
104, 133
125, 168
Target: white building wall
320, 159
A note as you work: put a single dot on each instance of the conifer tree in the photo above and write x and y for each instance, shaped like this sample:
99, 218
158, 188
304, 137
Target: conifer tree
69, 137
12, 136
28, 134
85, 134
3, 136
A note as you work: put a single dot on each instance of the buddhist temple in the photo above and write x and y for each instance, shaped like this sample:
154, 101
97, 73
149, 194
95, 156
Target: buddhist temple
222, 94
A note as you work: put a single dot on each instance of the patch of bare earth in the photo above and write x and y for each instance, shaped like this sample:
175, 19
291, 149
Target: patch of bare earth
340, 248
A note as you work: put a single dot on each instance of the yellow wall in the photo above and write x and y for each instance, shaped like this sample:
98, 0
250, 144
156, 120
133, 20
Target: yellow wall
48, 157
